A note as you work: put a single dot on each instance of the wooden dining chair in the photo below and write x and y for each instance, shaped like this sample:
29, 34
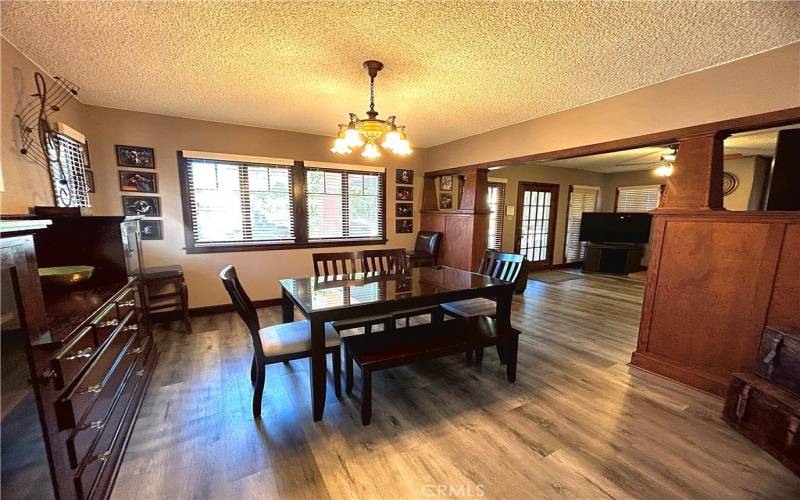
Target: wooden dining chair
499, 265
277, 343
337, 263
393, 260
396, 260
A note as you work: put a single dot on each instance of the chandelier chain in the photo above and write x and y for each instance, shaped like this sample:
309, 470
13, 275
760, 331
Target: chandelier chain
372, 93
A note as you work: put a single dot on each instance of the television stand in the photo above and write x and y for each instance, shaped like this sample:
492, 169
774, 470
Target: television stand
611, 258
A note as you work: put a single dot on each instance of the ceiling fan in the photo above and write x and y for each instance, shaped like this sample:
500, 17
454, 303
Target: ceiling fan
668, 157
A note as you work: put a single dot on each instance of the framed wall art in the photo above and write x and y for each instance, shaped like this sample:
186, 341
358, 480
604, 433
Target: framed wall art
404, 210
135, 156
446, 183
404, 193
404, 176
445, 200
151, 229
138, 182
148, 206
404, 225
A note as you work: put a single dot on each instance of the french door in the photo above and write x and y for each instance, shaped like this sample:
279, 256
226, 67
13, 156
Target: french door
536, 222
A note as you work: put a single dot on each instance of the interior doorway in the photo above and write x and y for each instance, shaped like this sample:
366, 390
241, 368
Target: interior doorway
536, 223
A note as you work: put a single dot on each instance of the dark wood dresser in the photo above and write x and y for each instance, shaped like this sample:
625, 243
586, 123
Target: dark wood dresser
89, 348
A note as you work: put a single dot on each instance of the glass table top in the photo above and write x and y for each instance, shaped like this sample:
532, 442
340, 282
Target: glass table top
332, 292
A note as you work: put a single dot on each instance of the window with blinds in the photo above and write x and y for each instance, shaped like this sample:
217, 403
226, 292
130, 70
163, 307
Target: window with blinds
497, 202
581, 199
343, 204
234, 203
638, 198
68, 174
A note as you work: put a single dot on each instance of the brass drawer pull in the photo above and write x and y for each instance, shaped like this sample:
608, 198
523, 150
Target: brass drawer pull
130, 328
96, 424
127, 303
111, 322
103, 456
83, 353
140, 373
91, 388
137, 350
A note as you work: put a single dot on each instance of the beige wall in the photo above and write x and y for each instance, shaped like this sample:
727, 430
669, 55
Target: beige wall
564, 177
764, 82
260, 270
22, 182
752, 173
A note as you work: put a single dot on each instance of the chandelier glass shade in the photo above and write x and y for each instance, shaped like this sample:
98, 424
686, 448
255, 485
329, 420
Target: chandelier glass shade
371, 131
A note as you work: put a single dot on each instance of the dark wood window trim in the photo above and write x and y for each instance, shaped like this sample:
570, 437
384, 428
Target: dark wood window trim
299, 213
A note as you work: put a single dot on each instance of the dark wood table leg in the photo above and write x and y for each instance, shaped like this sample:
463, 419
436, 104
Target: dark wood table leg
511, 357
287, 307
503, 316
317, 367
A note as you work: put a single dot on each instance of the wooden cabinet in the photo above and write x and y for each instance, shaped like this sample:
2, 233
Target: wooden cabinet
90, 352
612, 259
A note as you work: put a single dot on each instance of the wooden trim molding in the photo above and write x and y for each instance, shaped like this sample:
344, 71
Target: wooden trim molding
177, 315
753, 122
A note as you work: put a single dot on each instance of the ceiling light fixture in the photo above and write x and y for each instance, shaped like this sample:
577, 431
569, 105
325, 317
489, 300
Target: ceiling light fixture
369, 130
666, 168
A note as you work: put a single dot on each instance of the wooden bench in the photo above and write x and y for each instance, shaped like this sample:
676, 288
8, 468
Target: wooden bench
424, 342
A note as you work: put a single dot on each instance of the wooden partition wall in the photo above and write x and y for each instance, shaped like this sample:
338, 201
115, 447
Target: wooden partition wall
715, 278
465, 228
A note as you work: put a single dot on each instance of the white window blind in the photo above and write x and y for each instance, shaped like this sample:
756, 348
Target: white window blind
497, 202
581, 199
638, 198
236, 203
343, 204
68, 174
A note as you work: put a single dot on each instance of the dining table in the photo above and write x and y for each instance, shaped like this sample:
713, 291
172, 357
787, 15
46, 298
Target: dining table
321, 299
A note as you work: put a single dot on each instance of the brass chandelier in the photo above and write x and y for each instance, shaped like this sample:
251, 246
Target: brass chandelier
359, 132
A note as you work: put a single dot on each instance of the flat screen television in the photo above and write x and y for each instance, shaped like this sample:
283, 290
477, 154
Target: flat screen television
615, 227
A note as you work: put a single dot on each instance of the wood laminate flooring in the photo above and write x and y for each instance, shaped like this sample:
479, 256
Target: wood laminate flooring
578, 423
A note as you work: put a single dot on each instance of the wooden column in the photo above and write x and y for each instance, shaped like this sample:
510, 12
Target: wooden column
696, 183
715, 278
466, 228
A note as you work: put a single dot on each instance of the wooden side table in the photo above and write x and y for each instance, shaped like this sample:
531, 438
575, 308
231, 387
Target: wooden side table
157, 278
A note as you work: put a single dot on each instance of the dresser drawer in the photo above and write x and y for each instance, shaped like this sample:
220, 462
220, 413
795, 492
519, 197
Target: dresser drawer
105, 322
115, 394
73, 357
86, 389
126, 302
106, 448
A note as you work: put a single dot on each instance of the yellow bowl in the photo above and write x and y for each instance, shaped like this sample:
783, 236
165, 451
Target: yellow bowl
65, 275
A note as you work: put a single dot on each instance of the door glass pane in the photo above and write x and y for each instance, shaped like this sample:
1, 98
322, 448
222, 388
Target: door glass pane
535, 224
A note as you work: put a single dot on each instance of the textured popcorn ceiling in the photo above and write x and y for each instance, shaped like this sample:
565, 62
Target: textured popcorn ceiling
453, 69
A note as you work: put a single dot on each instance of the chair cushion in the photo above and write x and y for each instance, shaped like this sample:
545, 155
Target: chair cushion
471, 307
292, 338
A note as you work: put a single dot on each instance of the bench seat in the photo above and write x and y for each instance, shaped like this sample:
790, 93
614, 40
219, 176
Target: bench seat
423, 342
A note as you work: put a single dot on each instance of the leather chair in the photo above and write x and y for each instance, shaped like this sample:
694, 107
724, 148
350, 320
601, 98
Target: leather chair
426, 249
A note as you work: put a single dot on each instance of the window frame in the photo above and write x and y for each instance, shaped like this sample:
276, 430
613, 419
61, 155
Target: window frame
345, 194
661, 188
500, 214
299, 209
597, 202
